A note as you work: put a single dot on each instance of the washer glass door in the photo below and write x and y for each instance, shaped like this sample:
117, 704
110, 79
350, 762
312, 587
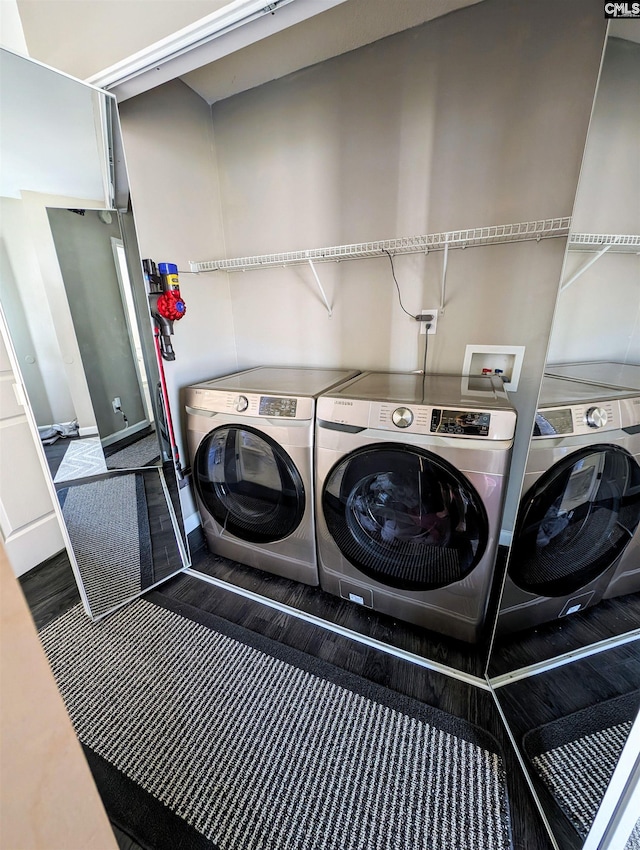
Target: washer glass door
405, 517
249, 484
576, 521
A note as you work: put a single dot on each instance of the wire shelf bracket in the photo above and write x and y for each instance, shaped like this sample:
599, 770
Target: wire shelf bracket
493, 235
601, 243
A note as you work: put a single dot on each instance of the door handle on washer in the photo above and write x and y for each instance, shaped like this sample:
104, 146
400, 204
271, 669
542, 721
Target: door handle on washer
196, 411
339, 426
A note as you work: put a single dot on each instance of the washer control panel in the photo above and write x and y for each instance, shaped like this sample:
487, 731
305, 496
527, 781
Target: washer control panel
469, 423
419, 419
578, 419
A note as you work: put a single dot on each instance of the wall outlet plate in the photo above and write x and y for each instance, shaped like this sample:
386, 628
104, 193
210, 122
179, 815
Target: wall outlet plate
431, 311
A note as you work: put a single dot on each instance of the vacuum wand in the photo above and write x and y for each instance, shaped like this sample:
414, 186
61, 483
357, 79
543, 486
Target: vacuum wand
166, 306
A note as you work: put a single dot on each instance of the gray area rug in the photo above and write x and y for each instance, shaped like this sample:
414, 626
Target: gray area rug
108, 525
256, 745
576, 755
634, 839
138, 454
82, 458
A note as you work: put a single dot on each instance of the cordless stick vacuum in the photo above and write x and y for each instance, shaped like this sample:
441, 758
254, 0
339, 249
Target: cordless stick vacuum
167, 307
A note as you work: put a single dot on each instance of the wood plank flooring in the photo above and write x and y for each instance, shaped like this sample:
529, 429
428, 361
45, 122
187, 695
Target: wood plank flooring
443, 692
536, 700
609, 618
468, 658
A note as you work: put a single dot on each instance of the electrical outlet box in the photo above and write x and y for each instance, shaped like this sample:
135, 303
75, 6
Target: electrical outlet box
116, 404
423, 325
503, 360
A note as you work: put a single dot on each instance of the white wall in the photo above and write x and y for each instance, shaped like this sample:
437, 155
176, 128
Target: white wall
473, 119
170, 154
598, 316
477, 118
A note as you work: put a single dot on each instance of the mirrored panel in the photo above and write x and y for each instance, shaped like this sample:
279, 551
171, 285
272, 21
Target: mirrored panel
565, 663
77, 313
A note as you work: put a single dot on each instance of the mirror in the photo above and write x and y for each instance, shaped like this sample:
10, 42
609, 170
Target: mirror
76, 309
565, 662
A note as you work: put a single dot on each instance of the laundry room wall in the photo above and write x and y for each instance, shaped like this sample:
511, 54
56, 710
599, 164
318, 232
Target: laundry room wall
598, 316
474, 119
170, 155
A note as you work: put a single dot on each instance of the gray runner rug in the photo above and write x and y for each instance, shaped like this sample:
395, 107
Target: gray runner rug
255, 745
108, 526
575, 756
140, 453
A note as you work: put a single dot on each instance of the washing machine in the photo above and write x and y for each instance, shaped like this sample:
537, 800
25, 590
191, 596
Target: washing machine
581, 503
410, 475
626, 578
250, 437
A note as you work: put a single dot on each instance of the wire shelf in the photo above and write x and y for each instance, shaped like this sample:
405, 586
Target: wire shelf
617, 243
493, 235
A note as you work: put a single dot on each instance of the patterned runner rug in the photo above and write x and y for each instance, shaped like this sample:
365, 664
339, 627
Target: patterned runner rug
576, 755
140, 453
108, 525
250, 744
82, 458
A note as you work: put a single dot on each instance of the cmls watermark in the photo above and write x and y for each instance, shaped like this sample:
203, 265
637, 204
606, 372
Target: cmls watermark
622, 10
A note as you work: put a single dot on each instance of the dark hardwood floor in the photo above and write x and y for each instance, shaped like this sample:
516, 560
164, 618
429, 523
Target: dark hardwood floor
608, 619
50, 589
540, 699
468, 658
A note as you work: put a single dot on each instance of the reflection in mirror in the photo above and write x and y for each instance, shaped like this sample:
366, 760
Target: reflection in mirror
77, 315
565, 663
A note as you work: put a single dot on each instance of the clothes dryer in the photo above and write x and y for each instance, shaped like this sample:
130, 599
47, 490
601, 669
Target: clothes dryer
581, 504
250, 438
626, 578
411, 473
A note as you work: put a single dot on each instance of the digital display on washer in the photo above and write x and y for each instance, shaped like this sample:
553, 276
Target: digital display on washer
460, 422
550, 423
271, 406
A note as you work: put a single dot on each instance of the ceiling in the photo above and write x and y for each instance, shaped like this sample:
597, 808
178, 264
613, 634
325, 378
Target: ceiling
83, 38
343, 28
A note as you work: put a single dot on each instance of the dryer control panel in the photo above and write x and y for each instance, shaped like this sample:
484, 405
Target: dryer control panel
249, 404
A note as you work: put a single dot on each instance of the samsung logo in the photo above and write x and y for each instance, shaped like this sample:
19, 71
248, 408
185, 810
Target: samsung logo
622, 10
345, 403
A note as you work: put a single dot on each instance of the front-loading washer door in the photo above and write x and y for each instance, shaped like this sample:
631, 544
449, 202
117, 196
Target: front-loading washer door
405, 517
576, 521
249, 484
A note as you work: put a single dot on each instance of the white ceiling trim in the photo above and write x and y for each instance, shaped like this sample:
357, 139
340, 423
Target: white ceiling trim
234, 26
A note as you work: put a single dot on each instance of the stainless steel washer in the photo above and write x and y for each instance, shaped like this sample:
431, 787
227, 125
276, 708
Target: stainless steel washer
250, 438
411, 474
581, 503
626, 578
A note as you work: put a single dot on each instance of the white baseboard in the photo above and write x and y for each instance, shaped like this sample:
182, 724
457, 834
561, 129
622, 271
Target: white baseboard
191, 522
126, 432
89, 431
